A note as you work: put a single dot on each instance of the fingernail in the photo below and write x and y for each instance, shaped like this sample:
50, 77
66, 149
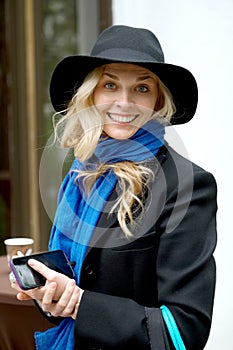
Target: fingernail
31, 262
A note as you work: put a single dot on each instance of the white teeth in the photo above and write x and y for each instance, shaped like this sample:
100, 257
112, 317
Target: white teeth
121, 119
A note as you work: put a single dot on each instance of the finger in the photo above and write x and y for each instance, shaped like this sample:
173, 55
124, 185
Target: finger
66, 304
47, 301
36, 293
73, 300
22, 296
42, 269
75, 310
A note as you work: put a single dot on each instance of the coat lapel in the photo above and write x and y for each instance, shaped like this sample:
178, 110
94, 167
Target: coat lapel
108, 234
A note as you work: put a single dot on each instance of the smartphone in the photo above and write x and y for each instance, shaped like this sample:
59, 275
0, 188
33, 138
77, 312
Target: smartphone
28, 278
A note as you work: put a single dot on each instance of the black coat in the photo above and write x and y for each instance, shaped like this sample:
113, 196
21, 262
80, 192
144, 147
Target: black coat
170, 263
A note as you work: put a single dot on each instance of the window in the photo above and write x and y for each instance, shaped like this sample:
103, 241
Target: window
34, 36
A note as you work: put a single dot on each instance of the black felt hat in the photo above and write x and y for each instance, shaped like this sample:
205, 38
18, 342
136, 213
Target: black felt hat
120, 43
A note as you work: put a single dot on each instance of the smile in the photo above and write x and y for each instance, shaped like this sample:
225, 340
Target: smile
121, 118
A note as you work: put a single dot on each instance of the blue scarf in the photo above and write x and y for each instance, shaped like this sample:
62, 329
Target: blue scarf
78, 214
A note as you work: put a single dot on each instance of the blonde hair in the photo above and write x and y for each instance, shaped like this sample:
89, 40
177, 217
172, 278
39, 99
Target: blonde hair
81, 128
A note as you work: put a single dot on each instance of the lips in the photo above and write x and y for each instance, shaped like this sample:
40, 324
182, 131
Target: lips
122, 118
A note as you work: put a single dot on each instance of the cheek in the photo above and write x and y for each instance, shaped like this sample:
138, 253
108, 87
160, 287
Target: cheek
96, 97
99, 97
102, 102
148, 103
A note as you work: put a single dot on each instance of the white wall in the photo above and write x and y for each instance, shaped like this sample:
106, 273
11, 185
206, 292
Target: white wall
198, 34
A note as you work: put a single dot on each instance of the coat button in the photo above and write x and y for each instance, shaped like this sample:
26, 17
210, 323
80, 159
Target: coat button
89, 270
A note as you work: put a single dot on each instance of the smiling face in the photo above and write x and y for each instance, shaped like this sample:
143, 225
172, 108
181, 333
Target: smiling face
125, 96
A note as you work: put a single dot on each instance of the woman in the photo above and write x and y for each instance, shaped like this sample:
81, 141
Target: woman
136, 217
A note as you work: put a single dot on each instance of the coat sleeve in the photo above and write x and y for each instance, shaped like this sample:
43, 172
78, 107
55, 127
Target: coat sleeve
186, 281
186, 266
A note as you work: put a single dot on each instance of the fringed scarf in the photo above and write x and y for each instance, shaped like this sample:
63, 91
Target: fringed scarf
77, 214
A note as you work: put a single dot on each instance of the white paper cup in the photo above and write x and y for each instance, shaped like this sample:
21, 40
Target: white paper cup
22, 244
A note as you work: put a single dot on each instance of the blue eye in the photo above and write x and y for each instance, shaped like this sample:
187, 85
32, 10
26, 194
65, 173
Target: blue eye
142, 88
110, 86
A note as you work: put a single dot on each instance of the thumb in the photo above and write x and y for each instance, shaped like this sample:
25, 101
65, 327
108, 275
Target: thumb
22, 296
41, 268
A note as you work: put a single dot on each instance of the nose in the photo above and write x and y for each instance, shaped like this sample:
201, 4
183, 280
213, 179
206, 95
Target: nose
125, 97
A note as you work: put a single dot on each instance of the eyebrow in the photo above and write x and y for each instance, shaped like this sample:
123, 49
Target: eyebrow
145, 77
140, 78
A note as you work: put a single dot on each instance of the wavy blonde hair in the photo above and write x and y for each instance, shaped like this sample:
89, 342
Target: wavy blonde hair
81, 128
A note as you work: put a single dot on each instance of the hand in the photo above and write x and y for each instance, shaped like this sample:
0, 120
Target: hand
67, 305
14, 283
60, 296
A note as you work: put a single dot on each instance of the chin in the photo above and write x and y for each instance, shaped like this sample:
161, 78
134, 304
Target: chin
120, 134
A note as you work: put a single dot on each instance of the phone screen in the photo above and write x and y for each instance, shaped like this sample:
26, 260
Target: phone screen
28, 278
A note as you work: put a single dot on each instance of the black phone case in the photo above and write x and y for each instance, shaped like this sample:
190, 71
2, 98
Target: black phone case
28, 278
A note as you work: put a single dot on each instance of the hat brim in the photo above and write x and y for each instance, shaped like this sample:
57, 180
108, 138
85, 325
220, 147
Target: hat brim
71, 71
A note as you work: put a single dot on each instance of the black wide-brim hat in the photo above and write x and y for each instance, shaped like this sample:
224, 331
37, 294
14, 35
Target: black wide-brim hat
126, 44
